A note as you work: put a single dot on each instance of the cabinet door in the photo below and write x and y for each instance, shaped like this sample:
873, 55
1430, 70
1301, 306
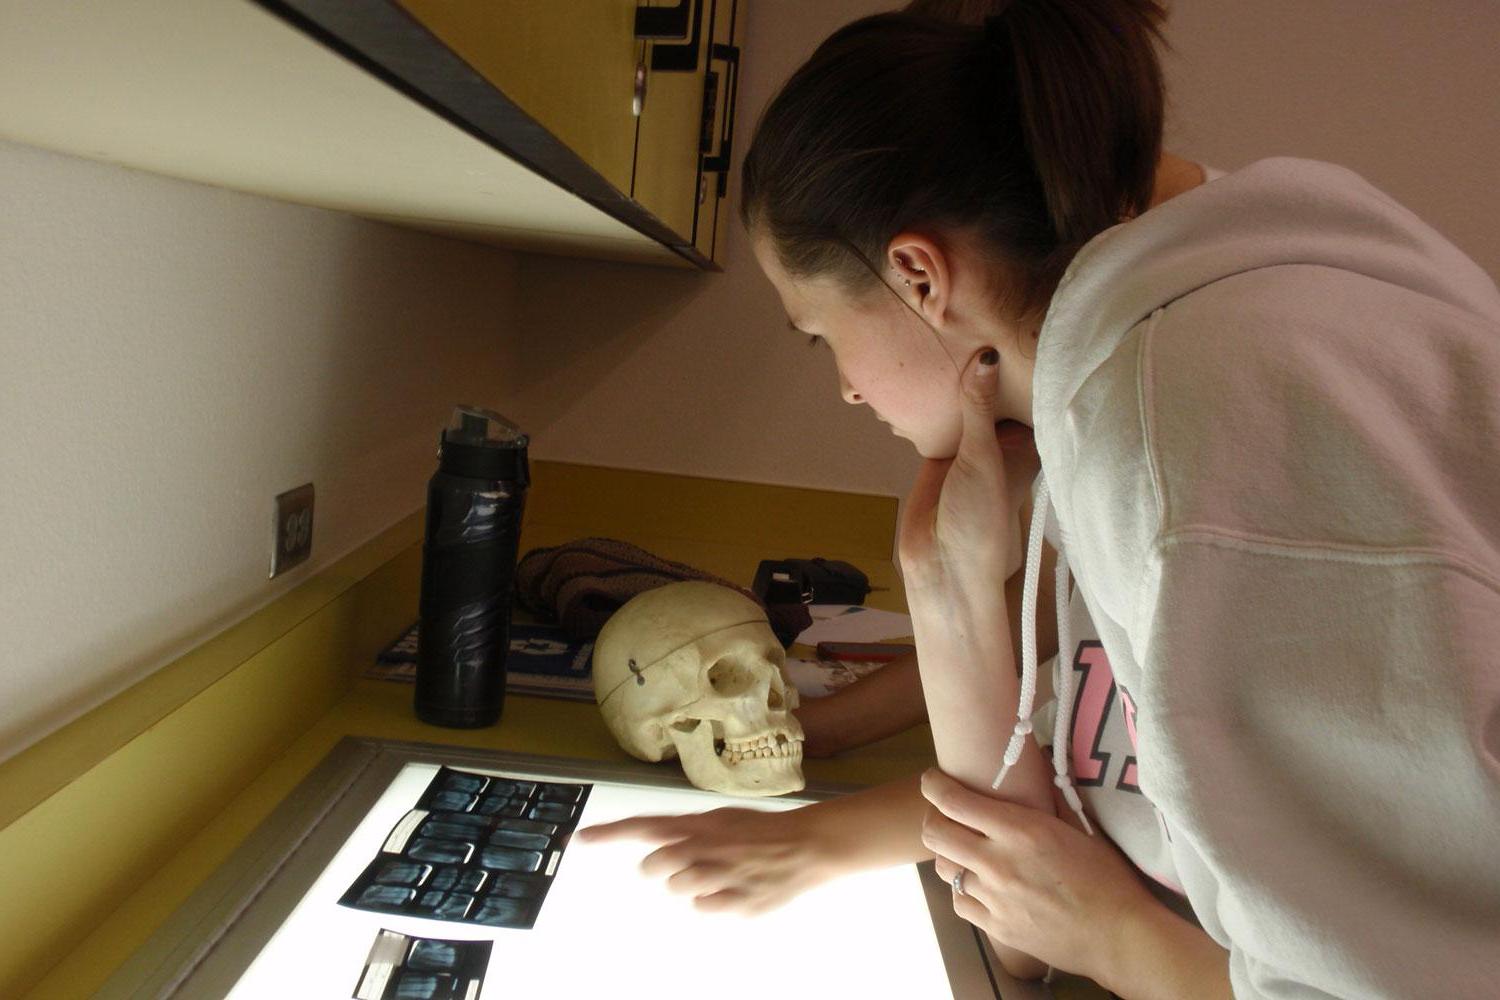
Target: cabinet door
668, 155
715, 213
684, 151
570, 64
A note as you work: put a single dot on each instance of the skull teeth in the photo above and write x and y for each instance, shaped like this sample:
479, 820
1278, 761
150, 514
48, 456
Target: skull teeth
779, 745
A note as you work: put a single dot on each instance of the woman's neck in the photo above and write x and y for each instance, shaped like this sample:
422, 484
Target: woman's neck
1174, 175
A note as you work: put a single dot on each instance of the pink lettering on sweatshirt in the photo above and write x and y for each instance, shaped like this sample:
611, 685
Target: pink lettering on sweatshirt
1092, 705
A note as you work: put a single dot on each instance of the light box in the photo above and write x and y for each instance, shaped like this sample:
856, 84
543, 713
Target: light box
411, 870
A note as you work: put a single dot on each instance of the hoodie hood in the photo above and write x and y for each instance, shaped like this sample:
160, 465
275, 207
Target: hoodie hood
1275, 211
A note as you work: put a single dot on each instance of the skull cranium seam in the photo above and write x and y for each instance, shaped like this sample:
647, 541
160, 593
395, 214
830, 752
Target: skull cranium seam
718, 697
640, 671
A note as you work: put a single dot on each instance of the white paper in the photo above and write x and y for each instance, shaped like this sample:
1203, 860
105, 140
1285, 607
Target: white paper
851, 623
814, 678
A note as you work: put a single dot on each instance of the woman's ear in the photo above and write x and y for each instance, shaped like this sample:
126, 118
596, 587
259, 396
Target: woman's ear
919, 271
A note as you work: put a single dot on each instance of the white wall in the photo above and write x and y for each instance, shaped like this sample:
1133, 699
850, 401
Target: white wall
1407, 94
171, 357
671, 373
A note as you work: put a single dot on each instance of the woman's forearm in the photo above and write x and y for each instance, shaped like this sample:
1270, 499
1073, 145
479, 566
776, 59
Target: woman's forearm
977, 693
878, 705
971, 690
968, 660
1160, 956
881, 827
969, 679
876, 827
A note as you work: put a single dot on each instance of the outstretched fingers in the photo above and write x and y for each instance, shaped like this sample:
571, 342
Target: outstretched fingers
701, 880
680, 855
655, 829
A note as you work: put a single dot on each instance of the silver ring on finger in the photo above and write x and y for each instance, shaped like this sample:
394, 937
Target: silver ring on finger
958, 882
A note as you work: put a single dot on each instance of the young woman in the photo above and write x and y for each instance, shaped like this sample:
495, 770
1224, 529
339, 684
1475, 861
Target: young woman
1266, 411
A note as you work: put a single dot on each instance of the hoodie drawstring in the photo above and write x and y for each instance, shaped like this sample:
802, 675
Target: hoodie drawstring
1062, 730
1039, 509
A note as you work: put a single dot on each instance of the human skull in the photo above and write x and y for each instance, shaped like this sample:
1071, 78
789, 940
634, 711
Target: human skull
693, 670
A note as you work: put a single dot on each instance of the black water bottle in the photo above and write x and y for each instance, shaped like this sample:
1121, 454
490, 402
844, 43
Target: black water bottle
474, 506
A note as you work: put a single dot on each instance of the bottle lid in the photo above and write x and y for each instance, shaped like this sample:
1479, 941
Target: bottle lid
481, 443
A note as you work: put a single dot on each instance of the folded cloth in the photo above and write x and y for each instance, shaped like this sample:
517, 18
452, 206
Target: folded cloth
582, 583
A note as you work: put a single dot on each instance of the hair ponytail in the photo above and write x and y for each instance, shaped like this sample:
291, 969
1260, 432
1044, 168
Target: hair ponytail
1091, 98
1040, 129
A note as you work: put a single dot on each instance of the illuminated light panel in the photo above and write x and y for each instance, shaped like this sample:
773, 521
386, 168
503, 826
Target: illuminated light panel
606, 930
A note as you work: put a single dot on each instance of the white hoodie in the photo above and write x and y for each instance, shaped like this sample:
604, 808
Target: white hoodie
1268, 411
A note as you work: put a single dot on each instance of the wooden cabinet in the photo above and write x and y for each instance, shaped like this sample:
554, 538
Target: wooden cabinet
641, 89
569, 64
684, 150
724, 79
508, 121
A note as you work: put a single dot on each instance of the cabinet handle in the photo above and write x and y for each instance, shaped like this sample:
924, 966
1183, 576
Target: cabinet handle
672, 22
662, 22
638, 98
719, 164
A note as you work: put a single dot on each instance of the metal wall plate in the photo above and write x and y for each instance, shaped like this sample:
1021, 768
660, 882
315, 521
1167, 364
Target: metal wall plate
291, 534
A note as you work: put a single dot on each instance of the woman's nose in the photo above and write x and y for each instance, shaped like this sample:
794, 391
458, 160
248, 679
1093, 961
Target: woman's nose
847, 391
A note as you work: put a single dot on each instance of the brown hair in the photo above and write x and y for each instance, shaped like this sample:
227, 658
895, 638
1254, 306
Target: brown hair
1041, 129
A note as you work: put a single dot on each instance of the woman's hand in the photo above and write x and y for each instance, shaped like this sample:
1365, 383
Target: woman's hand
1032, 881
958, 528
742, 860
